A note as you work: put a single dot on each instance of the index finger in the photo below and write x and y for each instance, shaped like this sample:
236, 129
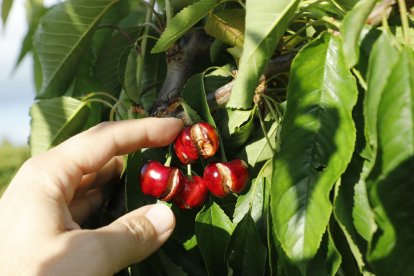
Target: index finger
90, 150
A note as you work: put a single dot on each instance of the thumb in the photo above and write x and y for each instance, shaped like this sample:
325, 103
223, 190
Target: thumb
135, 236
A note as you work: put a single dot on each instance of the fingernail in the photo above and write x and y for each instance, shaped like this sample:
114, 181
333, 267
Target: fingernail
161, 217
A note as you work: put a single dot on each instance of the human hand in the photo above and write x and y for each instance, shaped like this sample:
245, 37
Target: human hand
54, 192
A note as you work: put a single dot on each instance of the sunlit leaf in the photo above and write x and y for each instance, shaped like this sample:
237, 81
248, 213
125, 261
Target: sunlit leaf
236, 127
227, 25
54, 121
383, 52
317, 141
253, 201
265, 24
257, 149
213, 229
392, 189
351, 29
182, 22
61, 39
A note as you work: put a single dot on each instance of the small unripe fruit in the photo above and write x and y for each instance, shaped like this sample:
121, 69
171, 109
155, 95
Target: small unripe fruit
223, 178
193, 194
197, 140
160, 181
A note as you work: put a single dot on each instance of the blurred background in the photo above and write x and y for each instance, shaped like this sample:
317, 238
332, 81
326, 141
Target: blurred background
16, 94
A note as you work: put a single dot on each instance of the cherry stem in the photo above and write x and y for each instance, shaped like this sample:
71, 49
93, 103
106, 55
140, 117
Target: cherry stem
264, 130
189, 169
222, 151
270, 106
104, 103
404, 20
94, 94
169, 156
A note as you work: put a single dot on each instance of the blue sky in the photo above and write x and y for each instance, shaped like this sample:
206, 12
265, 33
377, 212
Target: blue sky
17, 89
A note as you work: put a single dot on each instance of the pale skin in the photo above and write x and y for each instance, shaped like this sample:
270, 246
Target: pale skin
54, 192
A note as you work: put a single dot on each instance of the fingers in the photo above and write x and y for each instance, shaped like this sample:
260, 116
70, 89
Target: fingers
81, 208
93, 148
109, 173
87, 152
131, 238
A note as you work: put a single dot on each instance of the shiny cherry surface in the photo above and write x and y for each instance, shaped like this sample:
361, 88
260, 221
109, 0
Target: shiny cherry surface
223, 178
194, 193
185, 148
160, 181
196, 140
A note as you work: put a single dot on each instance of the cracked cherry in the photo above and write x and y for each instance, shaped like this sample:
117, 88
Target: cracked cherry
160, 181
205, 137
184, 147
223, 178
193, 194
196, 140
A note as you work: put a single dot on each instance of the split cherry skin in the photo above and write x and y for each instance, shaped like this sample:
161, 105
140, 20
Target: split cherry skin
223, 178
160, 181
193, 194
185, 148
196, 140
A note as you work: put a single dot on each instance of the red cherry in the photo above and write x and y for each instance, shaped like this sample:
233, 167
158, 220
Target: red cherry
205, 137
194, 193
184, 147
223, 178
160, 181
197, 140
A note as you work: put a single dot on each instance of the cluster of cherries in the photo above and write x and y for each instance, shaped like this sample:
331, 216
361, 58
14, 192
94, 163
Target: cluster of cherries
168, 183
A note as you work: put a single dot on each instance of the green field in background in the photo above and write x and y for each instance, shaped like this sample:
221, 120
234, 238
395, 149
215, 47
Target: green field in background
11, 158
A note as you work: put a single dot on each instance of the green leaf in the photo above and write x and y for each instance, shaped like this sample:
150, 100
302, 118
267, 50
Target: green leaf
352, 211
246, 253
191, 115
37, 72
317, 141
343, 207
351, 29
392, 190
383, 52
253, 201
265, 24
236, 127
134, 198
213, 229
257, 149
227, 26
327, 260
36, 11
154, 72
54, 121
182, 22
5, 10
63, 35
347, 4
195, 90
112, 60
130, 79
178, 5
